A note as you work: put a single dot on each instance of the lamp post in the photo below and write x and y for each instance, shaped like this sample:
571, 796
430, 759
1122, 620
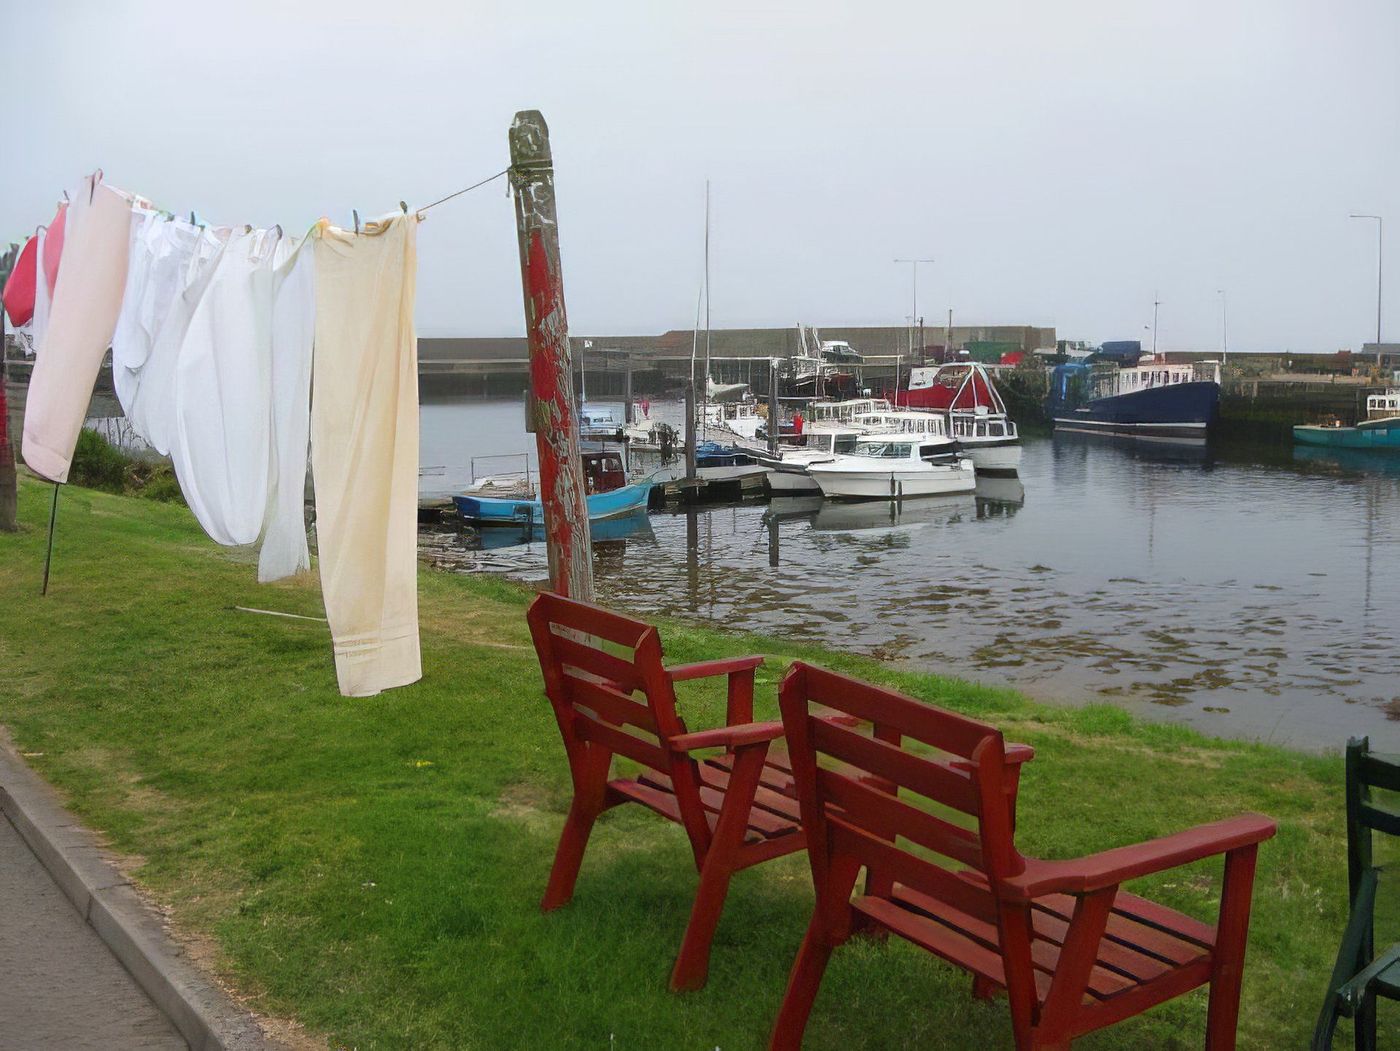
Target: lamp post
1380, 249
1224, 327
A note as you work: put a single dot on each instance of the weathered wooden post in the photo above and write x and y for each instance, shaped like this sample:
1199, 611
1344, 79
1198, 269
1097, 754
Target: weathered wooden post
628, 416
554, 420
775, 421
690, 434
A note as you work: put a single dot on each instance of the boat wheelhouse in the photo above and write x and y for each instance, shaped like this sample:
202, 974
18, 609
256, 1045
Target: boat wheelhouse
839, 414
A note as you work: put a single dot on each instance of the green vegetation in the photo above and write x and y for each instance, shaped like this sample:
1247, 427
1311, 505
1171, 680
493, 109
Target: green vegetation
373, 867
98, 464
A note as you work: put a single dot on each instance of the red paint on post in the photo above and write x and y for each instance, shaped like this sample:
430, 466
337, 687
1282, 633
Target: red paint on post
555, 423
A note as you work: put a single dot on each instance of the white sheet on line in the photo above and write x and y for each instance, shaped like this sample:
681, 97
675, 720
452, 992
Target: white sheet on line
175, 261
221, 447
284, 550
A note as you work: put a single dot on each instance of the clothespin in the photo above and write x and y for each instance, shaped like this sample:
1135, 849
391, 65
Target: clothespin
357, 219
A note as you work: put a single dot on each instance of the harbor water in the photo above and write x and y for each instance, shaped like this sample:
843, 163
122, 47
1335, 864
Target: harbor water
1252, 595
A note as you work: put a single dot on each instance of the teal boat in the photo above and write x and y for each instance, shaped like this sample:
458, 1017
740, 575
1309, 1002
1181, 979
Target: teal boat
609, 496
1380, 430
490, 510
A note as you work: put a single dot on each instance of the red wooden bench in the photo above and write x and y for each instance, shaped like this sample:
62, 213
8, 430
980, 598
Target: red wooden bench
737, 807
1073, 951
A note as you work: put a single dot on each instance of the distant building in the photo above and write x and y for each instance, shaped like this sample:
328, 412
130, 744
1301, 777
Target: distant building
1389, 353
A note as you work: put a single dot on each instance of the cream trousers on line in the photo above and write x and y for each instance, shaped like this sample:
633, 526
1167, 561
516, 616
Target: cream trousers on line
364, 450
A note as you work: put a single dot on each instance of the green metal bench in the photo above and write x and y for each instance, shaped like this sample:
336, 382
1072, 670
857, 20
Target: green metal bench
1360, 974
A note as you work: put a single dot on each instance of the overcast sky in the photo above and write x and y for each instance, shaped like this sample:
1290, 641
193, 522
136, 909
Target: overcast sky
1061, 161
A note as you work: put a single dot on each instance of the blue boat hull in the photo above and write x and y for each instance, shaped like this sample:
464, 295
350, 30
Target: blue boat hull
1179, 412
488, 510
1383, 434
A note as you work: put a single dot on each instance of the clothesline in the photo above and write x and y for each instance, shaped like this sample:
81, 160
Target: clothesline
420, 209
473, 186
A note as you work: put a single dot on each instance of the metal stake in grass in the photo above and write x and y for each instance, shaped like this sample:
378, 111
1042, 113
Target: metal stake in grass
48, 557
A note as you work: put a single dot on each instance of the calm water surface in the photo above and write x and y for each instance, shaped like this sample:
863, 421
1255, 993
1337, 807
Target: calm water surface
1248, 598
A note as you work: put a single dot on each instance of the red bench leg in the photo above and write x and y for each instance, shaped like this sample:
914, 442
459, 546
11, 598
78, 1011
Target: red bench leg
801, 993
590, 789
1222, 1017
693, 963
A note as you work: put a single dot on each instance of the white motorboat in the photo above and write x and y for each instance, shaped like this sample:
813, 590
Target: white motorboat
600, 421
989, 439
787, 472
895, 466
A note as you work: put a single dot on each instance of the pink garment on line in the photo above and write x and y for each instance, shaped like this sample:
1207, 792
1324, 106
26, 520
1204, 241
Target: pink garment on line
86, 301
53, 246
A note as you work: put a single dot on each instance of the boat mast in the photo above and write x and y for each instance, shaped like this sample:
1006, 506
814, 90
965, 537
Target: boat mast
704, 414
1155, 304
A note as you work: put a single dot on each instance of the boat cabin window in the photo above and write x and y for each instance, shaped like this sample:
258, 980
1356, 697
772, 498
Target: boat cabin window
932, 452
846, 443
995, 430
887, 450
820, 442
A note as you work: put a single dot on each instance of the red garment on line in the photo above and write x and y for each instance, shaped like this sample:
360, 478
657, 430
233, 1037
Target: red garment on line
19, 289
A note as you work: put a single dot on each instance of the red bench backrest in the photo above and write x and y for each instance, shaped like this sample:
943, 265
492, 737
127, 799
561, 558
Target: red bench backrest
595, 663
859, 792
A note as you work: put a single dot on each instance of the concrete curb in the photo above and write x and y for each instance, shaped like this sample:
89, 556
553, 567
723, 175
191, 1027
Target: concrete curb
201, 1012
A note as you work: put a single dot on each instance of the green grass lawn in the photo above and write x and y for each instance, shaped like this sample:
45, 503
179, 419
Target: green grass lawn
373, 867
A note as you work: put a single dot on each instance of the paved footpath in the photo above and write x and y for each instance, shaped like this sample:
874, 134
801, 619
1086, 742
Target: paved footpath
61, 989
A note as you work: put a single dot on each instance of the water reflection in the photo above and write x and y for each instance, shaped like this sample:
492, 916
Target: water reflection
1151, 450
1348, 461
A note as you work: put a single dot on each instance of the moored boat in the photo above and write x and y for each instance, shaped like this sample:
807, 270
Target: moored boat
609, 496
1156, 400
1380, 430
894, 467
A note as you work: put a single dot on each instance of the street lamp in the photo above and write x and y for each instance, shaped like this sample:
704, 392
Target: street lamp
1224, 327
1380, 228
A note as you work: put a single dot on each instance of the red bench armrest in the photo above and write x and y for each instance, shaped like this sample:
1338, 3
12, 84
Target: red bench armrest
705, 669
727, 737
1015, 753
1112, 867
